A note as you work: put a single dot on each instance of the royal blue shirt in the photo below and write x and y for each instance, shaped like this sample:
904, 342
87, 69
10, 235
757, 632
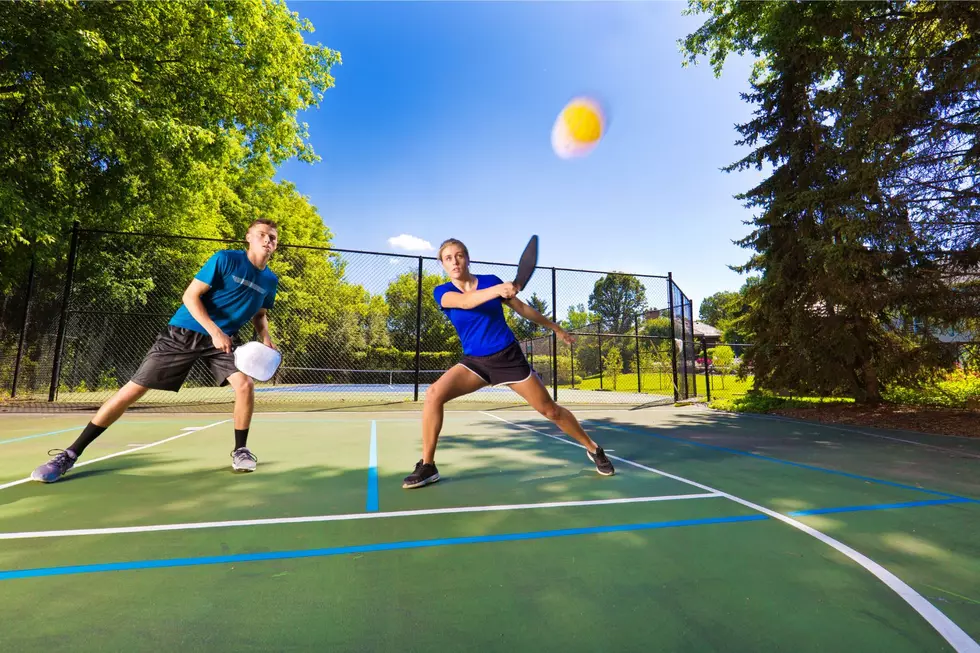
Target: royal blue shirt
482, 329
238, 291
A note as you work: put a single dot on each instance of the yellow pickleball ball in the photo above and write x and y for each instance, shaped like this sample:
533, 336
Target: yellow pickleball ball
584, 121
578, 128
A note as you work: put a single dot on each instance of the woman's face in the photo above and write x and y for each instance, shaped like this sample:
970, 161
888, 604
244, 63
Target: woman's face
454, 261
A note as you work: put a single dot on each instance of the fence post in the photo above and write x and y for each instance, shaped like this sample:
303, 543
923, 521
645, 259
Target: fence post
24, 323
707, 376
598, 337
571, 361
673, 335
554, 336
418, 329
636, 328
63, 320
684, 345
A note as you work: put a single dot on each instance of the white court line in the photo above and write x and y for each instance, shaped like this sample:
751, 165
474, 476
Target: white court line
345, 517
123, 453
956, 636
800, 422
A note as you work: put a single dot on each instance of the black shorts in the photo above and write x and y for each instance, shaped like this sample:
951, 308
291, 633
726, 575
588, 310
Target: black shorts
174, 353
500, 368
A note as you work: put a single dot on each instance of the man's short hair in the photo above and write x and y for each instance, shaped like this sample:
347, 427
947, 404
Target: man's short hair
265, 221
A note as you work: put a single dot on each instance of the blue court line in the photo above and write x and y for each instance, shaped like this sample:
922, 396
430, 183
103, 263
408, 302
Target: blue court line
877, 506
362, 548
372, 490
41, 435
814, 468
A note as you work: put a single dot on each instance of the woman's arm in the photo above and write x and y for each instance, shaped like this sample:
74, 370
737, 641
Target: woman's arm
475, 298
529, 313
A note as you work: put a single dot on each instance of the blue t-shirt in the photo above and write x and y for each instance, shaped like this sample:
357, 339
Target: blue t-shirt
483, 329
238, 291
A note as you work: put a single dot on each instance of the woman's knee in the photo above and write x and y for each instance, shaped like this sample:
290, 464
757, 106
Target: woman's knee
551, 410
435, 397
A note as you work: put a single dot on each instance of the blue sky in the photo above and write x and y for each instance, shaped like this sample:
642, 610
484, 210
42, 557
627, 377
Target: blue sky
440, 121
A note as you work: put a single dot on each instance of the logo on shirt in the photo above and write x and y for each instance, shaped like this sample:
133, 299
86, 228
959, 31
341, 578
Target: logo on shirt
245, 282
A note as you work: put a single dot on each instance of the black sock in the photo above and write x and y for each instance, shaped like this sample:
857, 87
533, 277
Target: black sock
89, 433
240, 436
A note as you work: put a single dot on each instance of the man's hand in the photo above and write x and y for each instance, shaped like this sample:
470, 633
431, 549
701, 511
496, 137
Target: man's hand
221, 341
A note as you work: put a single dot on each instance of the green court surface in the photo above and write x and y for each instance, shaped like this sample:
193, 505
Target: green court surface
717, 533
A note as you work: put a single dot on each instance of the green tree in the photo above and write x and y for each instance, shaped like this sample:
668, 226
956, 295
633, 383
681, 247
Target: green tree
154, 117
721, 357
110, 109
613, 364
436, 330
715, 308
658, 327
731, 313
618, 299
863, 212
578, 318
526, 329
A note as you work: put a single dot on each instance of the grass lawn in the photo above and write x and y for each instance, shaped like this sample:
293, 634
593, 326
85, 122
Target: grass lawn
722, 385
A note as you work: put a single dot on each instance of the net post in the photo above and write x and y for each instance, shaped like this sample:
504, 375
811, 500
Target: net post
418, 329
63, 320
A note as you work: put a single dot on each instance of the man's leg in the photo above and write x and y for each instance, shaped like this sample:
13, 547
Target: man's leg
242, 459
164, 368
108, 413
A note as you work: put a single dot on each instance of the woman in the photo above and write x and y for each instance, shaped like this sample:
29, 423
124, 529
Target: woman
491, 356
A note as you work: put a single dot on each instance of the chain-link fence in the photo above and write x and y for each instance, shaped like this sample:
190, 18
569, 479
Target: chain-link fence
356, 328
721, 369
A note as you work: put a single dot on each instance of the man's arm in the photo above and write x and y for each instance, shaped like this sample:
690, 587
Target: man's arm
261, 323
192, 300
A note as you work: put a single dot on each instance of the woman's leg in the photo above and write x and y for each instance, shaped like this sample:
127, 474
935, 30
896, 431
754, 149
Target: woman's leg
537, 396
456, 382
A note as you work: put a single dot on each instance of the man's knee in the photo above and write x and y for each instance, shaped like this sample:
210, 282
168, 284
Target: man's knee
244, 385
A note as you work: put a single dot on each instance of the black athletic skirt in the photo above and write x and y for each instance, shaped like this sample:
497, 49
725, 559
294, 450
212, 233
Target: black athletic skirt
500, 368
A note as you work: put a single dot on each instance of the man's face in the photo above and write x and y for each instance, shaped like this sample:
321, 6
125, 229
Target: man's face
263, 238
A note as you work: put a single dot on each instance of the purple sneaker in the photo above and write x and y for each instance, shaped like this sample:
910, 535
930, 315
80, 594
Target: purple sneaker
55, 468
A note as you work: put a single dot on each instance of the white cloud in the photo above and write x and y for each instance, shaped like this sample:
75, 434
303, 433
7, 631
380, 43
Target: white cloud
410, 243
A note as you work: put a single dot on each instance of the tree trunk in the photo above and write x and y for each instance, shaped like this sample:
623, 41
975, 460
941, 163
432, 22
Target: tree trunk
871, 391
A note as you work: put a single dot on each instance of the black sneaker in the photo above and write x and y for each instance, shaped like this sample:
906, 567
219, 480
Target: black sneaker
602, 464
423, 475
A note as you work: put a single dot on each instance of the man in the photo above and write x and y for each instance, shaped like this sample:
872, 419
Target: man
232, 288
